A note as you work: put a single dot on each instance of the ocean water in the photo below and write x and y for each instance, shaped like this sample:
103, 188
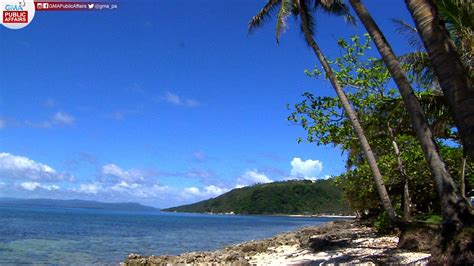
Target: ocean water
84, 236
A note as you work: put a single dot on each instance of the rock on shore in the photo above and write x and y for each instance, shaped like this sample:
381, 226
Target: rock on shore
333, 243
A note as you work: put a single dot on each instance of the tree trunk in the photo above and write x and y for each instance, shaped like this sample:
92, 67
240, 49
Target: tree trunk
403, 174
377, 176
452, 75
462, 185
455, 209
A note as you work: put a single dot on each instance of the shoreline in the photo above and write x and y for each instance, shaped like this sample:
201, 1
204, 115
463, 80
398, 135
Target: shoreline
320, 216
343, 241
273, 215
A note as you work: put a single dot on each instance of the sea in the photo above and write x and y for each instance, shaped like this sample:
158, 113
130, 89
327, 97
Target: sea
61, 236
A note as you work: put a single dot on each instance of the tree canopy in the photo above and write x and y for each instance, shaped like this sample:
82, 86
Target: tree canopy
369, 87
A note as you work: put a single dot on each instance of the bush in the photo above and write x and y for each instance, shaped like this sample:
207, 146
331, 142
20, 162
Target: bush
383, 225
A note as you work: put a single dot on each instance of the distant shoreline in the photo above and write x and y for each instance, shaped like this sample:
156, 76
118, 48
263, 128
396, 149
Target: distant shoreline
273, 215
321, 216
76, 204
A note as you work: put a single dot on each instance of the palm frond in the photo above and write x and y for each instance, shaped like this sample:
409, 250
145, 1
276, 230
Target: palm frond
419, 59
450, 14
335, 7
307, 20
350, 19
263, 15
440, 120
434, 106
296, 7
285, 10
410, 33
419, 65
458, 16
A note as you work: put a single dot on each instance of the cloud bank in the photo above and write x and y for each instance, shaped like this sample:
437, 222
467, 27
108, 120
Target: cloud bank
252, 177
23, 168
21, 176
309, 169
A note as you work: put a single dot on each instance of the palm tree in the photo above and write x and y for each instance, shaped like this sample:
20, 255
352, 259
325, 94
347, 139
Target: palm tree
416, 62
453, 77
458, 16
301, 9
456, 210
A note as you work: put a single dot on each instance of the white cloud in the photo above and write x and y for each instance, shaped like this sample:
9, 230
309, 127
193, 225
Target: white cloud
172, 98
92, 188
308, 169
123, 189
31, 186
153, 191
62, 118
158, 188
192, 190
139, 190
251, 177
127, 175
206, 192
124, 186
58, 118
51, 187
133, 182
113, 169
19, 167
202, 174
175, 99
214, 190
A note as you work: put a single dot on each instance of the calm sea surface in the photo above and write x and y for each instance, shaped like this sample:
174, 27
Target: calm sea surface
83, 236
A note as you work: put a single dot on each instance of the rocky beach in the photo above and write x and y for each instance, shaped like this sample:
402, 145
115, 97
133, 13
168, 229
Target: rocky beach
335, 242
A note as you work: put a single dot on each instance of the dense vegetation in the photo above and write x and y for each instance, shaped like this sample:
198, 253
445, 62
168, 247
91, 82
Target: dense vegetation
407, 177
405, 122
289, 197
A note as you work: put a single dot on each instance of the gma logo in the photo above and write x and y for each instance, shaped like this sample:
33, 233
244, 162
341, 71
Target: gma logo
18, 7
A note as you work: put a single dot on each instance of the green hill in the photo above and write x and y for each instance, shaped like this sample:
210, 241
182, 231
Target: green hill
288, 197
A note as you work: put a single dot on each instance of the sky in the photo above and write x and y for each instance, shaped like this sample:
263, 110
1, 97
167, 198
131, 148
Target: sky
162, 102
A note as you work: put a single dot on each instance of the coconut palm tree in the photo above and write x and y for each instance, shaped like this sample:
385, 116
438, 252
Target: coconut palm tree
417, 62
302, 9
458, 16
456, 210
453, 77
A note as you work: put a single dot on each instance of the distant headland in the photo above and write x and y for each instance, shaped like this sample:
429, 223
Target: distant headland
76, 204
294, 197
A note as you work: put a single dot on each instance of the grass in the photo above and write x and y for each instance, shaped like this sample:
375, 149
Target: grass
433, 219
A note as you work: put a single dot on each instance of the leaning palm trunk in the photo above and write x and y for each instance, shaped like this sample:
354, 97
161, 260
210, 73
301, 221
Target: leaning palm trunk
377, 176
455, 209
451, 73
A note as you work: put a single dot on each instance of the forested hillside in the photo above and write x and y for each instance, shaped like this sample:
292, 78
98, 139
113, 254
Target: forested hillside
289, 197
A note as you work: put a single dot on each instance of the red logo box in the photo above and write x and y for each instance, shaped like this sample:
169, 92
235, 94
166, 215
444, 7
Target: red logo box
15, 16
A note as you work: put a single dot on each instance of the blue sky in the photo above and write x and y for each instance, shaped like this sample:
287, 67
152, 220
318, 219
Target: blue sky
161, 102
